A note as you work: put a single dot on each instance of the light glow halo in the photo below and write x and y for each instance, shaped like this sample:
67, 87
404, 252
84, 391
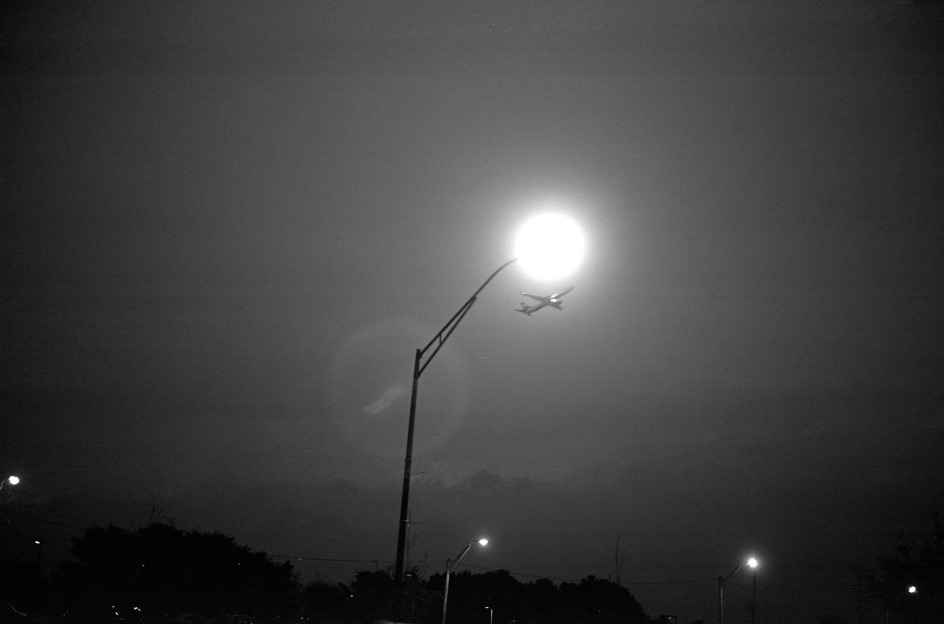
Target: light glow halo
549, 246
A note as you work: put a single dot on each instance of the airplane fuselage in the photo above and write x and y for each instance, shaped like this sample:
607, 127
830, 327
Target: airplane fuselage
553, 301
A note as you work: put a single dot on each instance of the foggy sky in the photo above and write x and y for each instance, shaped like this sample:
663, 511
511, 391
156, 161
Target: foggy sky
226, 228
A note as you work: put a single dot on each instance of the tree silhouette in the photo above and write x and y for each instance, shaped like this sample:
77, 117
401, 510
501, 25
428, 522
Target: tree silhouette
373, 595
160, 571
592, 601
324, 603
910, 583
602, 602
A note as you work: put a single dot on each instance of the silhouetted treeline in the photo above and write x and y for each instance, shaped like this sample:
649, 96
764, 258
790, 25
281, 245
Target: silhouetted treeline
494, 597
159, 574
909, 584
159, 571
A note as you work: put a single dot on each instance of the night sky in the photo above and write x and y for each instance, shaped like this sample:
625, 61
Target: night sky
226, 226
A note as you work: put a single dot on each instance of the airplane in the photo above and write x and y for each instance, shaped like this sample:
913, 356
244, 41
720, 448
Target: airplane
551, 300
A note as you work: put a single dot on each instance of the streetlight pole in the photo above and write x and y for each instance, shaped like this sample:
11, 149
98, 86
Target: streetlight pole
912, 590
722, 581
419, 365
754, 597
39, 553
450, 566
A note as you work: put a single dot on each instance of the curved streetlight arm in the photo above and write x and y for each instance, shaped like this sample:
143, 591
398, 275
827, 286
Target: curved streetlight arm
418, 367
724, 581
440, 338
451, 565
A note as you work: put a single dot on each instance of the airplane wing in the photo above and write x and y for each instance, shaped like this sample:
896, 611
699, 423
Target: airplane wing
535, 297
560, 294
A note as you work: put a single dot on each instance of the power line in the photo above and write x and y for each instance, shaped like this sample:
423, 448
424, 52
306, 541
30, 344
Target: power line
67, 526
566, 580
299, 558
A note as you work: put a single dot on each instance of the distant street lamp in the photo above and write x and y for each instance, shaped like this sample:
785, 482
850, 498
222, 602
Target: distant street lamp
912, 591
39, 552
450, 566
12, 480
547, 245
722, 581
491, 614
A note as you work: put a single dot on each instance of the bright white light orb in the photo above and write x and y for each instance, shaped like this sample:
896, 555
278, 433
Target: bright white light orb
752, 562
549, 246
13, 479
483, 541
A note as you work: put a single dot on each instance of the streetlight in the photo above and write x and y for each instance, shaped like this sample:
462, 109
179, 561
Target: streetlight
548, 245
753, 563
912, 590
722, 581
12, 480
450, 566
39, 552
491, 614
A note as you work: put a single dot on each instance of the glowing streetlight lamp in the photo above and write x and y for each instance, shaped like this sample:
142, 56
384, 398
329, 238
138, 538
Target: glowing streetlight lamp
911, 590
722, 581
550, 245
547, 245
450, 566
12, 480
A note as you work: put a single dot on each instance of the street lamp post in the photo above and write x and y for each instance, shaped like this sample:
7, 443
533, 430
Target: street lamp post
450, 566
419, 365
753, 564
912, 591
722, 581
491, 615
549, 245
39, 552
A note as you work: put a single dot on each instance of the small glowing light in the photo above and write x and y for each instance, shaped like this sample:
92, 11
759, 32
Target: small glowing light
13, 479
549, 246
752, 562
483, 541
912, 589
